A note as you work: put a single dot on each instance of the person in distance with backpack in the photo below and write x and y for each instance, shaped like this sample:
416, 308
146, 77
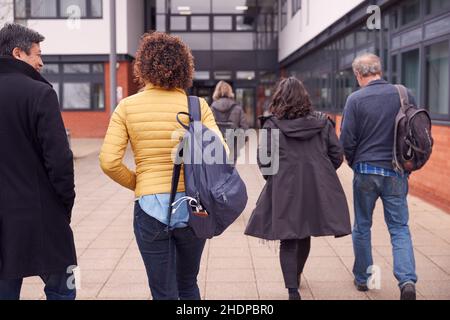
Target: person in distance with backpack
368, 132
229, 114
170, 249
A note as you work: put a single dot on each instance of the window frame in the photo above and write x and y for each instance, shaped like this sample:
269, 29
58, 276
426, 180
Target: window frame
58, 12
93, 78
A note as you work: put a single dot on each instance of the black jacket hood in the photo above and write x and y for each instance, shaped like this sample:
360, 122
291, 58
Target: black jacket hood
302, 128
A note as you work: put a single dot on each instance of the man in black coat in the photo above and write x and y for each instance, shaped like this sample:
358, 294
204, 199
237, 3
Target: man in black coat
37, 188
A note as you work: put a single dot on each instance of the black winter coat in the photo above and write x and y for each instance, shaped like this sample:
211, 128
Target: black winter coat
37, 189
305, 198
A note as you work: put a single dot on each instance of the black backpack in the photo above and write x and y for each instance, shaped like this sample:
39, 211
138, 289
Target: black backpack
223, 120
413, 140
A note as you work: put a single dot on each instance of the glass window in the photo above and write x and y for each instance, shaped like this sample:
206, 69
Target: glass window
20, 10
410, 71
296, 6
73, 8
201, 75
97, 68
76, 68
436, 6
196, 41
43, 8
96, 8
350, 42
284, 10
233, 41
361, 37
77, 96
223, 23
410, 11
245, 23
51, 68
161, 22
161, 6
437, 88
394, 69
245, 75
223, 75
178, 23
98, 96
200, 23
190, 6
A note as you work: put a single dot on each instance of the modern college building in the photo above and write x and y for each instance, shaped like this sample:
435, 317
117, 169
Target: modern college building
251, 43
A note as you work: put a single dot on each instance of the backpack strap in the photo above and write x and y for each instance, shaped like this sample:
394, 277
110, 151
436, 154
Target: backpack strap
195, 108
403, 93
194, 115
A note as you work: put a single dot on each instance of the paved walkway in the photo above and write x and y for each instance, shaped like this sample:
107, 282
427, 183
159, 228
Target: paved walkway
235, 266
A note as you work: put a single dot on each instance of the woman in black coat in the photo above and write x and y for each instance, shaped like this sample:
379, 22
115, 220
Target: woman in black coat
304, 197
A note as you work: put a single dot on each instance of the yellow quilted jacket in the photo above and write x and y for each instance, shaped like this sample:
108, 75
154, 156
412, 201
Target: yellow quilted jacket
148, 121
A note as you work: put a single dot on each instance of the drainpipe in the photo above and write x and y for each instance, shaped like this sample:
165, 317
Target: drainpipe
113, 55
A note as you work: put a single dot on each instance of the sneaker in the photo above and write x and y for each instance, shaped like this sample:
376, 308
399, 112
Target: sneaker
361, 287
408, 292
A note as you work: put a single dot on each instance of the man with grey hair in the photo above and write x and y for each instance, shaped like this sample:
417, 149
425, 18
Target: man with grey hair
37, 189
368, 131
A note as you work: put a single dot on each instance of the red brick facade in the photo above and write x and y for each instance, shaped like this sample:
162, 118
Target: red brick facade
93, 124
432, 183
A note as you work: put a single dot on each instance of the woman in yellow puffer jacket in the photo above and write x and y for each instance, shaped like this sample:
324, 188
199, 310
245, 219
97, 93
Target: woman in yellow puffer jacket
164, 64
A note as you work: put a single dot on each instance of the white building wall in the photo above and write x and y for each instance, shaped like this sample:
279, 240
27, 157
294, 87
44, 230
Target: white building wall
314, 17
92, 36
6, 11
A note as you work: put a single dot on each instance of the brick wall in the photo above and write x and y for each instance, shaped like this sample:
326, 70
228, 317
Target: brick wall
93, 124
432, 183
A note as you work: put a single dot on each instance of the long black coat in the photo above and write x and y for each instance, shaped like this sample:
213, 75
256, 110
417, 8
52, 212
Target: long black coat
37, 189
305, 198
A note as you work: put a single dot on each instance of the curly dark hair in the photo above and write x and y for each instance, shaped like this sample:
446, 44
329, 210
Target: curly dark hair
291, 100
164, 61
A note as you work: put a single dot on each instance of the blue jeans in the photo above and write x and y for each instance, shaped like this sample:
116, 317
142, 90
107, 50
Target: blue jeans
172, 259
56, 287
393, 192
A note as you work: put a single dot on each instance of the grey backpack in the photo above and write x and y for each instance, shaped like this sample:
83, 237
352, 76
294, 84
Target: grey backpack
215, 193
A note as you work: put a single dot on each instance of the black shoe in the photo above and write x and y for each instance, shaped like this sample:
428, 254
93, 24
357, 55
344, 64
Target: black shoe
295, 296
361, 287
408, 292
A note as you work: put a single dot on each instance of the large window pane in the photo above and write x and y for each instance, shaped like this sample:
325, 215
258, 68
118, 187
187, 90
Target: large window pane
223, 23
161, 22
73, 8
178, 23
51, 68
76, 68
192, 6
99, 96
43, 8
410, 71
20, 8
233, 41
96, 8
200, 23
245, 23
438, 78
77, 96
196, 41
436, 6
410, 11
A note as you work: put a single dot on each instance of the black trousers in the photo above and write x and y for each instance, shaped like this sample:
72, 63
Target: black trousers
293, 256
